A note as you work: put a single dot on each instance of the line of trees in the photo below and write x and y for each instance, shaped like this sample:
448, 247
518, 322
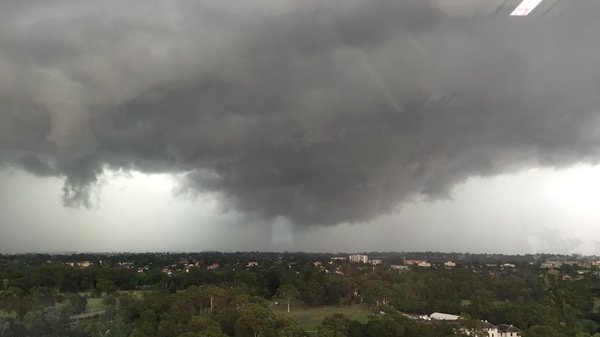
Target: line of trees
41, 299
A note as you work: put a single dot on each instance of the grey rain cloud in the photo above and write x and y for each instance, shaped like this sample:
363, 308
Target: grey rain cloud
321, 112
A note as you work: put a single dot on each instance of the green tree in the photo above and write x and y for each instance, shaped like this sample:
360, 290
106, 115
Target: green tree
137, 333
77, 301
314, 294
335, 325
211, 332
378, 291
227, 319
293, 331
189, 334
288, 293
14, 299
214, 294
384, 327
35, 323
482, 303
257, 318
148, 322
56, 317
106, 285
542, 331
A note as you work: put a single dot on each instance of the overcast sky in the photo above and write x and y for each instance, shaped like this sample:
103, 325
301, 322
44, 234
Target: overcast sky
320, 125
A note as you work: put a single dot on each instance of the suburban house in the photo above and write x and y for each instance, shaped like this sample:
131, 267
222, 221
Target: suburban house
551, 264
500, 330
84, 264
508, 330
417, 262
410, 262
558, 263
449, 264
213, 266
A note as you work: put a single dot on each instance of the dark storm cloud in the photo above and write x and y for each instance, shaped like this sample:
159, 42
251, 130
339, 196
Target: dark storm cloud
319, 111
35, 165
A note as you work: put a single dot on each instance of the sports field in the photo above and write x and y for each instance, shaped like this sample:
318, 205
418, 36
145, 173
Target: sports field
95, 304
310, 317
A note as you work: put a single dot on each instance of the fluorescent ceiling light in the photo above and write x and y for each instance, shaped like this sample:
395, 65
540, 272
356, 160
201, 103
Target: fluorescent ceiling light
525, 7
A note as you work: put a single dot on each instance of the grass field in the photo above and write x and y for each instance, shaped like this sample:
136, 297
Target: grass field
94, 304
309, 318
4, 314
136, 293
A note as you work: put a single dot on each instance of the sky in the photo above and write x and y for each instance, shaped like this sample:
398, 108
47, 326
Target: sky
321, 125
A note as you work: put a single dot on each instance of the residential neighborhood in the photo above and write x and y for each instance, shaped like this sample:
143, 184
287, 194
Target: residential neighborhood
428, 292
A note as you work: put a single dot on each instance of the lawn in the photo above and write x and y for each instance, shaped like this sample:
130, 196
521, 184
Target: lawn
5, 314
310, 317
136, 293
94, 304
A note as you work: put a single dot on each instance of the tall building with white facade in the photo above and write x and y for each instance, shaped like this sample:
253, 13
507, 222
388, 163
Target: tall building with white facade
358, 258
